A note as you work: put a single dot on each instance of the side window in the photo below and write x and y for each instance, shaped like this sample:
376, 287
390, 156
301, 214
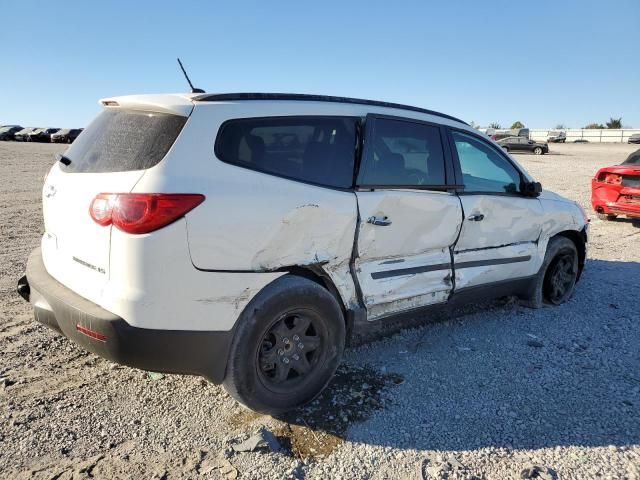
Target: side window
483, 168
312, 149
402, 153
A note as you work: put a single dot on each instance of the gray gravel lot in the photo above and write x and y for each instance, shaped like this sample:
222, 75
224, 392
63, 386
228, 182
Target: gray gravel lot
486, 394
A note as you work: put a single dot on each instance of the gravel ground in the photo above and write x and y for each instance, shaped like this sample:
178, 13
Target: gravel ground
499, 392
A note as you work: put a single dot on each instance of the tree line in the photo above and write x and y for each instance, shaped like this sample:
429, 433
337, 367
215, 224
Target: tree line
612, 123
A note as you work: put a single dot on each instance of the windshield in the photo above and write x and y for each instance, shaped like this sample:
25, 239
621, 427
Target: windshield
122, 140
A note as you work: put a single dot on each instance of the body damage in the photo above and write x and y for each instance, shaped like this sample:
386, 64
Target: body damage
306, 226
198, 301
406, 264
615, 190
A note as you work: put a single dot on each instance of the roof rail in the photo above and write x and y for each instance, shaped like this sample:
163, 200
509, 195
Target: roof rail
224, 97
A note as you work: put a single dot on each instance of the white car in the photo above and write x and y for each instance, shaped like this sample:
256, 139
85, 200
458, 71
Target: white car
243, 237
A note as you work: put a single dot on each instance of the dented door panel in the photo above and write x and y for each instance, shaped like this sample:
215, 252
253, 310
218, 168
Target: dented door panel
499, 239
489, 265
406, 264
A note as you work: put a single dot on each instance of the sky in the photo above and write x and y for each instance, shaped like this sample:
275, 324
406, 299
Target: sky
540, 62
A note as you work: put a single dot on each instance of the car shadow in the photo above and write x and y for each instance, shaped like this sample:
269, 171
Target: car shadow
635, 222
500, 376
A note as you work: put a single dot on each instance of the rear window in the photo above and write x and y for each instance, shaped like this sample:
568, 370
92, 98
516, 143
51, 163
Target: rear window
123, 140
318, 150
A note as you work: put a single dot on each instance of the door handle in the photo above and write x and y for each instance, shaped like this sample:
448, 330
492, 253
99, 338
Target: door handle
380, 221
476, 217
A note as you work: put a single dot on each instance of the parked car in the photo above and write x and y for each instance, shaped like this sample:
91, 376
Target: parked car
556, 137
300, 219
635, 138
22, 135
65, 135
513, 132
520, 144
42, 134
7, 133
615, 190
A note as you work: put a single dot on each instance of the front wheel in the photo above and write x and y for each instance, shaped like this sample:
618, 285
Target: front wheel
557, 276
537, 151
287, 346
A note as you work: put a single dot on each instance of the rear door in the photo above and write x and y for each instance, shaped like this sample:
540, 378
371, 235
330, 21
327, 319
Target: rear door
408, 218
499, 237
110, 156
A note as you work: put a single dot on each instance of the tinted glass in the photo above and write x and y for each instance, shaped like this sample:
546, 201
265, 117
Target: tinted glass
483, 168
633, 159
403, 153
122, 140
311, 149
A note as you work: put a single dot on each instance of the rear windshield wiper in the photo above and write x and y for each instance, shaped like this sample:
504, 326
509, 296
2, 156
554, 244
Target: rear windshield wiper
66, 161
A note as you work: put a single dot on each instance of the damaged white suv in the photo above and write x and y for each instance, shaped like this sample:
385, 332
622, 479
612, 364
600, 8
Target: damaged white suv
244, 237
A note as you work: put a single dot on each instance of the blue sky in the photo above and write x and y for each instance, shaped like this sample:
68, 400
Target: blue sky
540, 62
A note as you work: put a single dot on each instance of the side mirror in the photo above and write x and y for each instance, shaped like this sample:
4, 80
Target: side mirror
530, 189
531, 142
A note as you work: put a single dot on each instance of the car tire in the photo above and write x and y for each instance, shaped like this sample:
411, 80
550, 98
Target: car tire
560, 266
271, 331
537, 151
506, 149
606, 216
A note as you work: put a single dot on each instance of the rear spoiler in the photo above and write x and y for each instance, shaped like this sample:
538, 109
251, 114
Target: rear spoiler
175, 104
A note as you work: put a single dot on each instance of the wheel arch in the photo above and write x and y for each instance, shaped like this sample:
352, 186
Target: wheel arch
317, 274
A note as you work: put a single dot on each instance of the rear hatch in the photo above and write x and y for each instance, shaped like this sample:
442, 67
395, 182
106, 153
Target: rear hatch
110, 156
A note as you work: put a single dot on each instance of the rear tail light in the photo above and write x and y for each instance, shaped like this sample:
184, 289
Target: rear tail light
613, 178
610, 178
141, 212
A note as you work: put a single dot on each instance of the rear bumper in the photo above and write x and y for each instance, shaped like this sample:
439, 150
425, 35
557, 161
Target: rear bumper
611, 199
101, 332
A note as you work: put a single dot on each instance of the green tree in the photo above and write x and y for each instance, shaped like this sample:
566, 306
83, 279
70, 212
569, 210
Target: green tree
517, 124
561, 126
495, 125
594, 126
614, 122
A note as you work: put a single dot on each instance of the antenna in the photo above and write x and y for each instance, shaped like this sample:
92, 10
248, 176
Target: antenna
193, 89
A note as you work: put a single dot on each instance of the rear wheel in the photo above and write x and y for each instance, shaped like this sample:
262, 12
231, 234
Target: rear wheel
287, 346
537, 151
606, 216
506, 149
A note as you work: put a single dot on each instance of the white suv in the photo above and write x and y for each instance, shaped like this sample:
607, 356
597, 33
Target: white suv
244, 237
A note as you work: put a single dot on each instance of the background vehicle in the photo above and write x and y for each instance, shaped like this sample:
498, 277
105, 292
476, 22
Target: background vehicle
22, 135
65, 135
615, 190
635, 138
521, 144
42, 134
7, 133
280, 243
556, 137
513, 132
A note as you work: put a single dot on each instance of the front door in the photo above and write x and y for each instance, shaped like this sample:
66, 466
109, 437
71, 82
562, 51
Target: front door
501, 228
408, 219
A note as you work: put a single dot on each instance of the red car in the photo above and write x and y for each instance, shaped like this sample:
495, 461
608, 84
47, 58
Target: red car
615, 190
